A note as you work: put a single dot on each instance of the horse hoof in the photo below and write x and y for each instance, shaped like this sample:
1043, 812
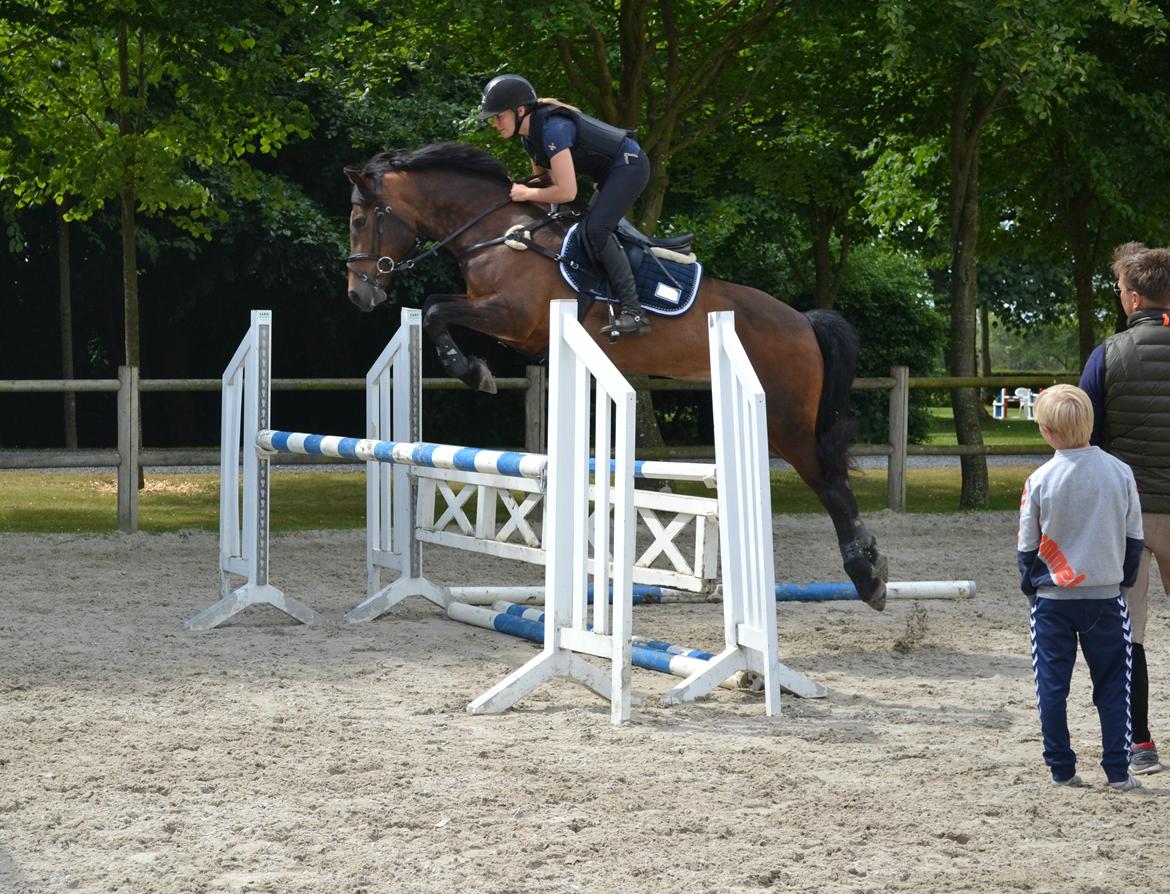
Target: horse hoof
868, 579
876, 599
881, 567
478, 377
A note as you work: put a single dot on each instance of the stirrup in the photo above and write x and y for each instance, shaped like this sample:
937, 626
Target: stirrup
627, 323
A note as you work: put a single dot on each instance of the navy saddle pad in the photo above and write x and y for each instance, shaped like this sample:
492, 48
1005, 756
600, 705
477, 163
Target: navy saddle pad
660, 293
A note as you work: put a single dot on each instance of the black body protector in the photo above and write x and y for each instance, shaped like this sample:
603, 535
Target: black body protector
595, 150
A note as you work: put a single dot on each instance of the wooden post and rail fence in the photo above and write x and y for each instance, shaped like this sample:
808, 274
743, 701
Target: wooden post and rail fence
128, 457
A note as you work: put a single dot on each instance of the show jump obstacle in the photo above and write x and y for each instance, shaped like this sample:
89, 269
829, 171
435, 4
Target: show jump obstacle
399, 519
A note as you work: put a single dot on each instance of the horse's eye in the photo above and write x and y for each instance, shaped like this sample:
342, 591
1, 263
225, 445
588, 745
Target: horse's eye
357, 223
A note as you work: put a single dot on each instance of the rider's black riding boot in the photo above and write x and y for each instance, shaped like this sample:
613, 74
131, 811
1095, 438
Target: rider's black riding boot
632, 320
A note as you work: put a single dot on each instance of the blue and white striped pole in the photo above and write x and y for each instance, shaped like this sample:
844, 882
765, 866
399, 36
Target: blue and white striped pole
437, 456
666, 470
841, 592
655, 655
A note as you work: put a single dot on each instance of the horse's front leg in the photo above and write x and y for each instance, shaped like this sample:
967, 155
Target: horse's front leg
440, 312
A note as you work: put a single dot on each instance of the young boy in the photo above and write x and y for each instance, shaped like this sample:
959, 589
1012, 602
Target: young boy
1080, 541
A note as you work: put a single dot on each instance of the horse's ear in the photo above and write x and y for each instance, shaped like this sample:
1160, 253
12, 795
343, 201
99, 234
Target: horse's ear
354, 175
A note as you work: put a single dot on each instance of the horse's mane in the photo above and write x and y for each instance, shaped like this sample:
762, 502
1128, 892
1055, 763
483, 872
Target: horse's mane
451, 156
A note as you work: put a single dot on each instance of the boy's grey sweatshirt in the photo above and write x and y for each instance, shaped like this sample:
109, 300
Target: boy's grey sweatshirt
1080, 533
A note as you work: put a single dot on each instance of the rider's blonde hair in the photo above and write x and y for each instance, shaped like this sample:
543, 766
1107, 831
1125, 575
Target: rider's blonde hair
551, 101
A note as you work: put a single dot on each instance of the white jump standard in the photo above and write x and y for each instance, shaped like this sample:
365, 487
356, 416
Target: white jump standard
247, 387
417, 491
398, 522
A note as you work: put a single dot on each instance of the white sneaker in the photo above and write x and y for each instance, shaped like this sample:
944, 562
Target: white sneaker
1125, 785
1073, 781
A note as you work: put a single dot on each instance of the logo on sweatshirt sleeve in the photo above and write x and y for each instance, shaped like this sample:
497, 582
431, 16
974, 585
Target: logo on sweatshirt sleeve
1063, 574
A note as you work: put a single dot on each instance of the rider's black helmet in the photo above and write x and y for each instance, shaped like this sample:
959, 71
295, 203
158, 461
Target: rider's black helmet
503, 93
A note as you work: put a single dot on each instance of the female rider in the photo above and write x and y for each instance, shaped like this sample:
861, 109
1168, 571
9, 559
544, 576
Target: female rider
563, 142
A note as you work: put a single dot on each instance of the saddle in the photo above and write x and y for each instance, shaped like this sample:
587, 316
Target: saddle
666, 270
666, 273
633, 238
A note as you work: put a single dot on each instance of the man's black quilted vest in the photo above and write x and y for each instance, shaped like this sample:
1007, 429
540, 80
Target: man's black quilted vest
1137, 403
594, 151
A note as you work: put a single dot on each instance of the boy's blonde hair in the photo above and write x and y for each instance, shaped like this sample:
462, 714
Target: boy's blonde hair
1067, 412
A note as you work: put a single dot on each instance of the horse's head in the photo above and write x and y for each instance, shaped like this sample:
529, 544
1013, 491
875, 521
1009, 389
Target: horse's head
461, 180
379, 239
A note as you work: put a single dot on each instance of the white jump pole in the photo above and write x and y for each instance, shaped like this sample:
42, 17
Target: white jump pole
906, 591
393, 412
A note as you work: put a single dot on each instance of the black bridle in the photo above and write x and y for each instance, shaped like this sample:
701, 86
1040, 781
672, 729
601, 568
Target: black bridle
384, 265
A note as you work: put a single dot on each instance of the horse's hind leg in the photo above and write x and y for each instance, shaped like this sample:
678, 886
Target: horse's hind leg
867, 568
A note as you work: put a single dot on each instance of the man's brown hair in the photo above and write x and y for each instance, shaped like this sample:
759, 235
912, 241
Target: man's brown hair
1145, 271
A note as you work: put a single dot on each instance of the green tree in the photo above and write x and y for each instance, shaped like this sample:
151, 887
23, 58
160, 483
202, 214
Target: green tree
973, 58
678, 72
674, 71
134, 102
1080, 186
803, 139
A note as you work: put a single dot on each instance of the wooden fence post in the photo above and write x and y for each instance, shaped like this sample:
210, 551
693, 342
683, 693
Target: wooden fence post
899, 434
536, 410
128, 449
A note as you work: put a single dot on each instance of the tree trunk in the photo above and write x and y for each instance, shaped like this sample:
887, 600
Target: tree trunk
964, 224
130, 301
986, 394
1080, 244
128, 132
821, 248
127, 196
984, 341
646, 430
827, 275
129, 281
650, 204
65, 305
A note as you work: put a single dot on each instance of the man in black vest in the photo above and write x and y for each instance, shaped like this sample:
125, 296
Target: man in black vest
1128, 380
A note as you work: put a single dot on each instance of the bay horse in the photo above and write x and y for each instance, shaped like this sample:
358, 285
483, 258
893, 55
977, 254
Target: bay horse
455, 196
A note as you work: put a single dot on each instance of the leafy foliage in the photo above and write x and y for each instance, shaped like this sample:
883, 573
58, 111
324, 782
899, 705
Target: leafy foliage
808, 146
888, 298
119, 96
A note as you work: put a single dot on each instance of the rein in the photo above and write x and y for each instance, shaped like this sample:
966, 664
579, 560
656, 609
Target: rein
385, 265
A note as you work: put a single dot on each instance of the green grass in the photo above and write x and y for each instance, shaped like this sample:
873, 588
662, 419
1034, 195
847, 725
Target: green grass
71, 502
927, 490
1012, 431
51, 502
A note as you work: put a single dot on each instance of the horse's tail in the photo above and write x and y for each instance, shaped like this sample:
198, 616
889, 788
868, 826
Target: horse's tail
836, 427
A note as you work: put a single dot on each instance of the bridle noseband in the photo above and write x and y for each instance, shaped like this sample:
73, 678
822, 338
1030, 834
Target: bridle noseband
384, 265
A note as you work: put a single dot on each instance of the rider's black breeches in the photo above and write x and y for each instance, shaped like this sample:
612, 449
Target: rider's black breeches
615, 198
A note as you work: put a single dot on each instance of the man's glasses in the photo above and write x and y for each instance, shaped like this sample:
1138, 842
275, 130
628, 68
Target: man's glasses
1117, 289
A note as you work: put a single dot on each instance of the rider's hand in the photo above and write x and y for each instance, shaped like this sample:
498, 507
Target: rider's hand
522, 193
